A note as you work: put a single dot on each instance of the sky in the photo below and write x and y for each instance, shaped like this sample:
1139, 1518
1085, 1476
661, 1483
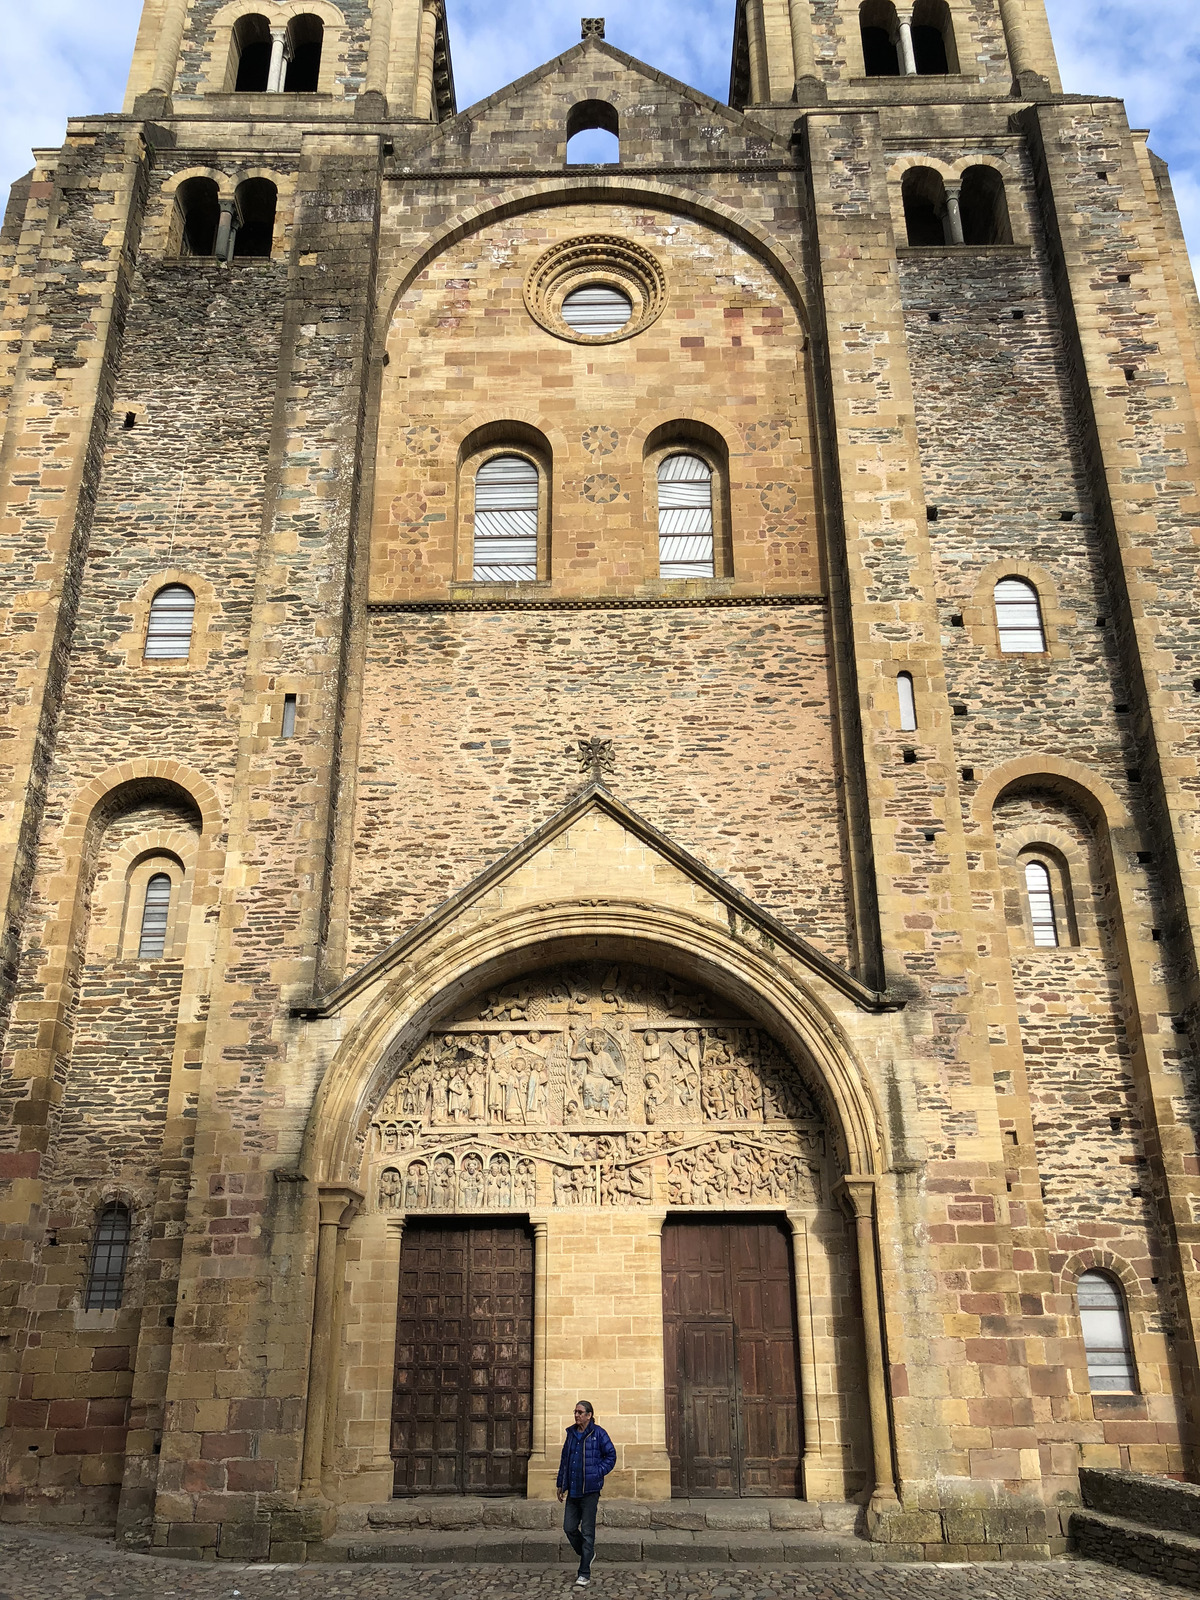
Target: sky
70, 57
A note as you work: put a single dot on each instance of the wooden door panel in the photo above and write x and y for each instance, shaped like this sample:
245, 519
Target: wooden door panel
731, 1355
462, 1399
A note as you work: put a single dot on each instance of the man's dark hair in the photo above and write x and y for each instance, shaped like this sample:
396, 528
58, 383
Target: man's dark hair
587, 1406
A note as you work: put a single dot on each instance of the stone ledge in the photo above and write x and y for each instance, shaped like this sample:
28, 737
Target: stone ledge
1159, 1553
621, 1547
451, 1513
1137, 1497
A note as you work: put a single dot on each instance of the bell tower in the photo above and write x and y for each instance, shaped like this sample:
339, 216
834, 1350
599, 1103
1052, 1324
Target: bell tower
796, 51
394, 61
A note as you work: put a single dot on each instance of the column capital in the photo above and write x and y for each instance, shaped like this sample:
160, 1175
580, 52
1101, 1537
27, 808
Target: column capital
339, 1204
859, 1189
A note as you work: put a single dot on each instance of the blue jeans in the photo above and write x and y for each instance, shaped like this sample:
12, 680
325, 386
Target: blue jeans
579, 1525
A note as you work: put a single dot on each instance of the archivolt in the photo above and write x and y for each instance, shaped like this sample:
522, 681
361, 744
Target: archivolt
427, 984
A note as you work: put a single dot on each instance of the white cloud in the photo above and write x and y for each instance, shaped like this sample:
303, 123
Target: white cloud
66, 57
58, 58
1148, 53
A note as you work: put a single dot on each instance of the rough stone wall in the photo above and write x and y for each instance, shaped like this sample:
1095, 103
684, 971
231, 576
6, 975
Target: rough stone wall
470, 720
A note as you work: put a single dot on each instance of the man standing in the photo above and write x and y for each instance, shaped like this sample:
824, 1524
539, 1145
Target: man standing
588, 1456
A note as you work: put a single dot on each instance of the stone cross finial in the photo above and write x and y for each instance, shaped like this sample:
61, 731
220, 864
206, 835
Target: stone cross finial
591, 25
597, 754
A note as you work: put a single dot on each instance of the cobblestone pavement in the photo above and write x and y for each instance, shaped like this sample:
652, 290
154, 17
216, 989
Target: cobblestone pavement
41, 1566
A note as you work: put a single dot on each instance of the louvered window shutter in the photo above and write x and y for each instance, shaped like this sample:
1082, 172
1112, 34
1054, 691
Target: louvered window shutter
169, 633
597, 310
1019, 618
1041, 905
155, 913
506, 521
685, 518
1105, 1335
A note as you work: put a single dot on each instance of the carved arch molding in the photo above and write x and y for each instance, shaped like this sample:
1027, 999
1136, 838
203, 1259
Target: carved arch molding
598, 1085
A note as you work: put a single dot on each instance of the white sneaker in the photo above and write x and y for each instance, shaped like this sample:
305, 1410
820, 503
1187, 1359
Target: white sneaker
581, 1582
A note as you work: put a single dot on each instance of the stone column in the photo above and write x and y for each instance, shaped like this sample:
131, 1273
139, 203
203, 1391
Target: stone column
908, 58
333, 1387
391, 1290
760, 88
804, 57
379, 58
541, 1269
423, 98
954, 225
334, 1203
809, 1406
861, 1193
1030, 49
278, 68
166, 57
223, 249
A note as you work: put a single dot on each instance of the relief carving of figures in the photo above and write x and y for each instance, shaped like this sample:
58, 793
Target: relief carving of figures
597, 1084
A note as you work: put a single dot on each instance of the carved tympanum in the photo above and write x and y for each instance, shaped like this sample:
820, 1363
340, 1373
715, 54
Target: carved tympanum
596, 1085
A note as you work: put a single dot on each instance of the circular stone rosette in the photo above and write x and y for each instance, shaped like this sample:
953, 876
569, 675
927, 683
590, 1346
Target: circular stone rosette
596, 260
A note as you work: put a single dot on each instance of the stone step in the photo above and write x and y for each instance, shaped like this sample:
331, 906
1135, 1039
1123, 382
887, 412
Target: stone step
466, 1513
1162, 1553
623, 1546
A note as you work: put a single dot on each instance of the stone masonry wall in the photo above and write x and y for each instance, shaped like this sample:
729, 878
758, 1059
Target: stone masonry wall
469, 726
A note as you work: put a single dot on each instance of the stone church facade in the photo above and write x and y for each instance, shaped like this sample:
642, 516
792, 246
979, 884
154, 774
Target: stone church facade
599, 782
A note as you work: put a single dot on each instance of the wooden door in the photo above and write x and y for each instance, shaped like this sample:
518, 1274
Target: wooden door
732, 1360
463, 1391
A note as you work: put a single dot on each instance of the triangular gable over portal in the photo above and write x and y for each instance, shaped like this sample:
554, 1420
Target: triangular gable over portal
623, 874
662, 121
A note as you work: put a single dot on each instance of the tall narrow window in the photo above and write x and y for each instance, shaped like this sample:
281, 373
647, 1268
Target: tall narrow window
685, 518
1105, 1335
306, 37
196, 218
155, 912
251, 54
908, 702
1041, 905
506, 521
110, 1253
1019, 618
878, 23
169, 631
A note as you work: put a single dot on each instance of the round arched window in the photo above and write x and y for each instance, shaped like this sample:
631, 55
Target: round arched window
597, 309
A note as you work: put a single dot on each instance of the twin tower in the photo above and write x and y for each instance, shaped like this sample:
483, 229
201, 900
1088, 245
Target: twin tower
598, 790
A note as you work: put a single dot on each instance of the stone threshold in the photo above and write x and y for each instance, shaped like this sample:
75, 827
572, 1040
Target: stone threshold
461, 1513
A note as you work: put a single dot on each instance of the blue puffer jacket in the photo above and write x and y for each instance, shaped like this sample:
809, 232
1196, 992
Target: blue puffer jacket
586, 1460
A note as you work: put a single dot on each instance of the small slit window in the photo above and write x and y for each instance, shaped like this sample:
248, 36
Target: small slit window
685, 518
110, 1255
1019, 618
506, 521
1042, 916
169, 630
908, 702
1105, 1335
156, 911
597, 310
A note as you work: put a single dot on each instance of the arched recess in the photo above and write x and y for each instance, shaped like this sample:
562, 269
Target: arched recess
428, 985
616, 190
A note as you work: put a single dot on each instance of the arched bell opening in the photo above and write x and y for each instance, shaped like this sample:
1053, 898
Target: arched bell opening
601, 1107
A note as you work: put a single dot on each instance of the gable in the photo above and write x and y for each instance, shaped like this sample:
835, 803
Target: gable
597, 851
661, 121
